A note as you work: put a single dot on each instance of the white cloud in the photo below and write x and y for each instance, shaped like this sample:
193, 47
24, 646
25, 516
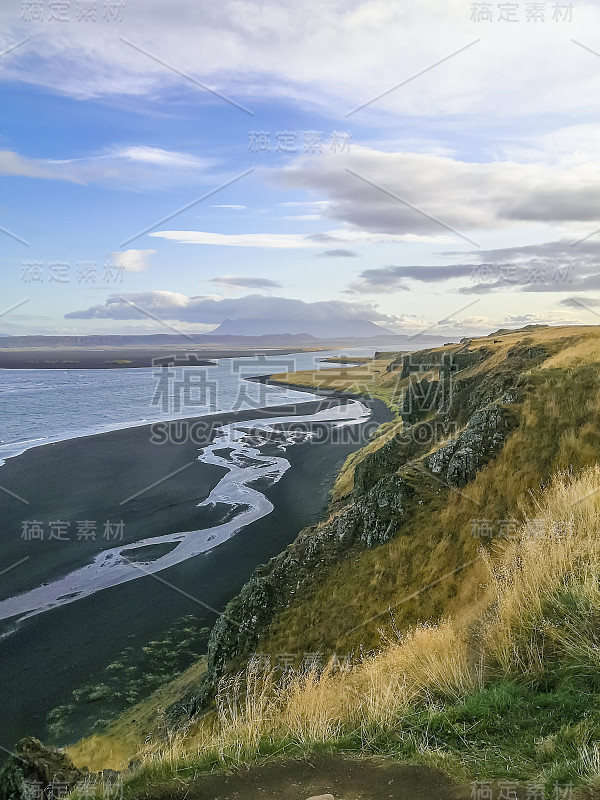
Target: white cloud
133, 166
156, 155
302, 217
287, 241
14, 164
545, 318
564, 147
270, 240
336, 55
415, 194
132, 260
174, 306
245, 282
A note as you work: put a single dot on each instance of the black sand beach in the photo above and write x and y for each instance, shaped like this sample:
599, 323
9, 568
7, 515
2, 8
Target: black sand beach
89, 478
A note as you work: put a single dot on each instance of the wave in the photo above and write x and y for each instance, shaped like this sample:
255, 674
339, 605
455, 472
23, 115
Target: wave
14, 449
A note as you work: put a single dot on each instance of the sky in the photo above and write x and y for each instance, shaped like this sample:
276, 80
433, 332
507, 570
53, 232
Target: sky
419, 165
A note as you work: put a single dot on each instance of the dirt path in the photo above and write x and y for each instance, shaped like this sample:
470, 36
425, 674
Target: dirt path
344, 778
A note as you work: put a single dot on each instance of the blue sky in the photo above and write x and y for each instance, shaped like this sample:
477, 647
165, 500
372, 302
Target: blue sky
484, 161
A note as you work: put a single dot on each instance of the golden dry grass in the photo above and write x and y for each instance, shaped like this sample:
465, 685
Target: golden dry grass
558, 547
558, 550
368, 379
309, 707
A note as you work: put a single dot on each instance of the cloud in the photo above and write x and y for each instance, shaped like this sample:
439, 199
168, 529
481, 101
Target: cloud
472, 326
341, 253
287, 241
156, 155
565, 146
579, 302
14, 164
414, 193
243, 282
132, 260
549, 267
283, 241
132, 166
386, 279
541, 318
174, 306
257, 50
302, 217
302, 203
228, 205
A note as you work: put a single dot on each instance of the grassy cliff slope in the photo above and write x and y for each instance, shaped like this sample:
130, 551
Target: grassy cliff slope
447, 609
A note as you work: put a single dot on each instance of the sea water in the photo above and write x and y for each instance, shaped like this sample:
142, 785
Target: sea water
40, 406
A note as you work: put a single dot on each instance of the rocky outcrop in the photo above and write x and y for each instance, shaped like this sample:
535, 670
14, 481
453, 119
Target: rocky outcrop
459, 461
374, 518
45, 770
427, 360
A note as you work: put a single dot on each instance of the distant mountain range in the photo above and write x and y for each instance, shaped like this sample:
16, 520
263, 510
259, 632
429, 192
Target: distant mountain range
319, 329
324, 336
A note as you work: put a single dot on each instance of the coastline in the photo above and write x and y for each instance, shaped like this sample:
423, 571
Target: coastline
77, 479
249, 452
21, 447
114, 466
323, 391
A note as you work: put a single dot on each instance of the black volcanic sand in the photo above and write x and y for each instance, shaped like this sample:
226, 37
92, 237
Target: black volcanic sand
58, 651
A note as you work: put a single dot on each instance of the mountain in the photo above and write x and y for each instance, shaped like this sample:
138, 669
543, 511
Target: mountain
320, 329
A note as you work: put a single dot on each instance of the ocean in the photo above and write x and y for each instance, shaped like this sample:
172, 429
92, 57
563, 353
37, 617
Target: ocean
41, 406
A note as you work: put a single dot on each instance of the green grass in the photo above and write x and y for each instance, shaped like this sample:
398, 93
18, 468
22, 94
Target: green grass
500, 732
369, 379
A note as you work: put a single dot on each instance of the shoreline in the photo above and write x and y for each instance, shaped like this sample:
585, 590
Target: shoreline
30, 444
87, 478
238, 448
106, 455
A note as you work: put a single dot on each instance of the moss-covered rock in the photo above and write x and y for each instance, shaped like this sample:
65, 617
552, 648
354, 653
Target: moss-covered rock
460, 460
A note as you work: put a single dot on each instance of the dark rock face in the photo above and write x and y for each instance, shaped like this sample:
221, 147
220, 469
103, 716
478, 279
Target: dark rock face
384, 461
33, 764
427, 360
374, 518
459, 461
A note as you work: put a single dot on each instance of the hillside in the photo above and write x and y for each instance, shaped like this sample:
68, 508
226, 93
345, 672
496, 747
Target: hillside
446, 610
